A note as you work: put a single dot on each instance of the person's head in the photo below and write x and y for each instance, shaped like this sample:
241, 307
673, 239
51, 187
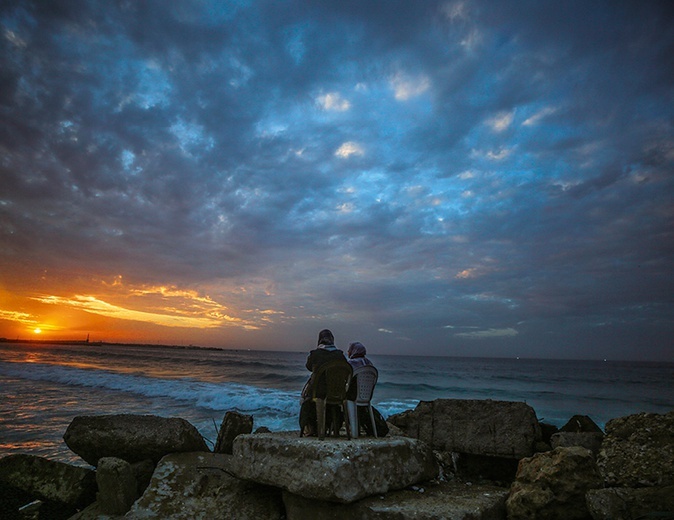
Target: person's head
356, 350
325, 337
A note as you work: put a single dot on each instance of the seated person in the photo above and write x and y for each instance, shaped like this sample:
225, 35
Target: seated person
325, 353
358, 358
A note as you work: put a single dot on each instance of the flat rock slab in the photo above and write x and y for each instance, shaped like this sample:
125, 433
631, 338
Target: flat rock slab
334, 469
200, 486
446, 500
475, 426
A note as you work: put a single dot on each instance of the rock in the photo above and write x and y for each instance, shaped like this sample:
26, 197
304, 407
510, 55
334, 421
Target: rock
547, 431
446, 500
132, 438
49, 480
233, 424
200, 485
334, 469
630, 503
638, 451
590, 440
117, 486
552, 485
581, 424
142, 471
479, 427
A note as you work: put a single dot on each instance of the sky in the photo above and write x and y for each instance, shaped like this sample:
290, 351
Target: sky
460, 178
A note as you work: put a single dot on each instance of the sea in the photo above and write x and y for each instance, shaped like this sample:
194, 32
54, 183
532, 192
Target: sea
44, 386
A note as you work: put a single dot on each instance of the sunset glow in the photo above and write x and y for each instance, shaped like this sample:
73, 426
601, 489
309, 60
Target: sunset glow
460, 178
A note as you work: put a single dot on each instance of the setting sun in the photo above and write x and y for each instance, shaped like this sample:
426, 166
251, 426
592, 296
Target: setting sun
37, 330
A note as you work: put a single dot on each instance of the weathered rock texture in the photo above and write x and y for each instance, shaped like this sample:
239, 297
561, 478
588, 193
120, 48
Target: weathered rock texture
448, 500
630, 503
479, 427
552, 485
49, 480
132, 438
233, 425
117, 486
590, 440
581, 424
336, 470
638, 451
200, 486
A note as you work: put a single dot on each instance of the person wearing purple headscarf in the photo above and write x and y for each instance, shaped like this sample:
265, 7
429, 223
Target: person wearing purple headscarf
357, 358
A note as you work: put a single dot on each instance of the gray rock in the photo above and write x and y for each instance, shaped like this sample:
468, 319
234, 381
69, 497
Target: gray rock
446, 500
132, 438
630, 503
552, 485
590, 440
117, 486
233, 424
581, 424
334, 469
49, 480
200, 486
638, 451
479, 427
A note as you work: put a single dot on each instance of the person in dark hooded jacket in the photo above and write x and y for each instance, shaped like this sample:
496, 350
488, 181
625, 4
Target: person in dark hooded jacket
325, 352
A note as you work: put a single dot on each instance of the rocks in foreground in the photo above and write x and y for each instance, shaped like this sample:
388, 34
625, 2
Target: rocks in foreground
446, 500
49, 480
333, 470
553, 485
479, 427
133, 438
638, 451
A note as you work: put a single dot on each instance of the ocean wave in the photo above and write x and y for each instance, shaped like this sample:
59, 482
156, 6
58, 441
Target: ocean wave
207, 395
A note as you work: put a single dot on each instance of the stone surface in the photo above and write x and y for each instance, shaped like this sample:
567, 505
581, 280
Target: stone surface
117, 486
553, 485
49, 480
200, 486
233, 424
334, 469
590, 440
479, 427
638, 451
132, 438
630, 503
447, 500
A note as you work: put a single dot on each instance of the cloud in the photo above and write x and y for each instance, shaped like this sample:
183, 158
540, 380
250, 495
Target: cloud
348, 149
488, 333
334, 102
406, 87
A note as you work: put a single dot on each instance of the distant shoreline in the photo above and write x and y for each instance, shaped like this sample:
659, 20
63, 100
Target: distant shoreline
104, 343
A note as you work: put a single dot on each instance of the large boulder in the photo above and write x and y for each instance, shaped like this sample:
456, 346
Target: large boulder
552, 485
132, 438
233, 425
581, 424
449, 500
479, 427
638, 451
49, 480
334, 469
631, 503
200, 485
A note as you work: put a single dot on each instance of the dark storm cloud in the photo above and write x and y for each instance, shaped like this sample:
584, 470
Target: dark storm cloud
481, 175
